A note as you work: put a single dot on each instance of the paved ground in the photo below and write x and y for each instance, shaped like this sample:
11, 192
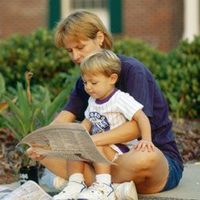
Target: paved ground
188, 189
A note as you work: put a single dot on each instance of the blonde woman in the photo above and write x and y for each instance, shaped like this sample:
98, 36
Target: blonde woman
82, 33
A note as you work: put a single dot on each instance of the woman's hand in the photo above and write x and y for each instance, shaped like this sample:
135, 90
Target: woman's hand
63, 117
144, 145
34, 155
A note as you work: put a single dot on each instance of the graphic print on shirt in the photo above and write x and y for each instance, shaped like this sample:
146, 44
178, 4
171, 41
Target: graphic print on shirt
100, 122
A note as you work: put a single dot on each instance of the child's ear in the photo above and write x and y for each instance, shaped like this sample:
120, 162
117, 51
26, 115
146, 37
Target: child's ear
113, 78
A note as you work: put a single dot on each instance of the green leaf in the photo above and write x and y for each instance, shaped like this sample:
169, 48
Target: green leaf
56, 104
2, 86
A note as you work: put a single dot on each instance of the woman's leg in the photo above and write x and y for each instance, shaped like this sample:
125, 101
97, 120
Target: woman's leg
58, 166
149, 170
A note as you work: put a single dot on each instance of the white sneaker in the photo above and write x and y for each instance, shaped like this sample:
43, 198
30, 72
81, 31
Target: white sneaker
126, 191
71, 191
98, 191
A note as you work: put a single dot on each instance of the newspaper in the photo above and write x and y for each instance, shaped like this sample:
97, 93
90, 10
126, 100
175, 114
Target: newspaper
69, 141
4, 191
28, 191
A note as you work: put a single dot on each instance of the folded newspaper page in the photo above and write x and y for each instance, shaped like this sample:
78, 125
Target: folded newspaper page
28, 191
4, 191
69, 141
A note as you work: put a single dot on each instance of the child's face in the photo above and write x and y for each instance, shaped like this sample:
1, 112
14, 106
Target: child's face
99, 86
78, 50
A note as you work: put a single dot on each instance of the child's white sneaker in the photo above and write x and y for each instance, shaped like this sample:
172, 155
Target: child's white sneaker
126, 191
71, 191
98, 191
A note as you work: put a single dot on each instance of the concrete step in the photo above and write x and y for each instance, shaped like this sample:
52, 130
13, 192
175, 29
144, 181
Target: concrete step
188, 188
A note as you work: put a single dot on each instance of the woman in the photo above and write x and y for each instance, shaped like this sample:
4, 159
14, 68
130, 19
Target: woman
80, 34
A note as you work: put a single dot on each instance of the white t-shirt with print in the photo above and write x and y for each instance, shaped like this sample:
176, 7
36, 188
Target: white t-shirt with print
111, 112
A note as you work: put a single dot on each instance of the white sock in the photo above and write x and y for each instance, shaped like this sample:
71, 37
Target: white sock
59, 182
103, 178
78, 177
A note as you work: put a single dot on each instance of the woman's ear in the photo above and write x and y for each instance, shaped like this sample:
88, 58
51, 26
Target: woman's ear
113, 78
100, 38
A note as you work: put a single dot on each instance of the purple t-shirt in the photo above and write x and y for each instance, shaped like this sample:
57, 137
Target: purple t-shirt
138, 81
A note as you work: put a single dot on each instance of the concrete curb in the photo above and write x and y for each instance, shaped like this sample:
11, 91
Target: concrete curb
188, 188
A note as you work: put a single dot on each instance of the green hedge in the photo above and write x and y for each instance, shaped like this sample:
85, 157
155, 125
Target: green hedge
36, 53
182, 84
144, 53
177, 72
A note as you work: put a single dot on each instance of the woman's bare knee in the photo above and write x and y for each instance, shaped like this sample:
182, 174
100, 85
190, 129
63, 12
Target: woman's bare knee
136, 165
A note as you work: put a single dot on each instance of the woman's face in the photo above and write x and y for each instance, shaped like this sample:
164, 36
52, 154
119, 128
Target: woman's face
78, 50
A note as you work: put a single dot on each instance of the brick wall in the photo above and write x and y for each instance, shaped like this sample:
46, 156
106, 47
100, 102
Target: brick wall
159, 22
22, 16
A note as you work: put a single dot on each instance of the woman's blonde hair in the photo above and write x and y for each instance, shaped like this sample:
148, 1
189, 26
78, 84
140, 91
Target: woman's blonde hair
81, 25
103, 61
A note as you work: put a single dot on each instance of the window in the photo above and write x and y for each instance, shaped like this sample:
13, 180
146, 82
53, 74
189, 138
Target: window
78, 4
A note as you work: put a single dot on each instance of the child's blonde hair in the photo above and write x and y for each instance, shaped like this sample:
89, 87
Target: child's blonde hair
103, 61
81, 25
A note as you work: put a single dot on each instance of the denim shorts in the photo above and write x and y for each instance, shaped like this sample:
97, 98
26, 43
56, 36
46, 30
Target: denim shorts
175, 173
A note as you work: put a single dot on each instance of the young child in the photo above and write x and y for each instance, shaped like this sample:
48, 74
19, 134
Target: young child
107, 109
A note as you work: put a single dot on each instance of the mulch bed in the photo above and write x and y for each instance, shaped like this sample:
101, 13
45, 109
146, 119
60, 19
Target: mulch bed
187, 136
188, 139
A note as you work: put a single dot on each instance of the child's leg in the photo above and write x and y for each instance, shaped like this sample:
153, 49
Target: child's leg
76, 181
111, 153
75, 167
103, 170
102, 188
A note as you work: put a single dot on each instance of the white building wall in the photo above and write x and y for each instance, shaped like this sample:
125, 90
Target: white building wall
191, 19
102, 13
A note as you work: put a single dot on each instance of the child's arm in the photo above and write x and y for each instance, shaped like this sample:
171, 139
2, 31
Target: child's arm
144, 124
121, 134
86, 124
145, 129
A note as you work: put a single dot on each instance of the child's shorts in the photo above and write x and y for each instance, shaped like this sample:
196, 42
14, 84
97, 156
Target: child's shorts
175, 173
120, 149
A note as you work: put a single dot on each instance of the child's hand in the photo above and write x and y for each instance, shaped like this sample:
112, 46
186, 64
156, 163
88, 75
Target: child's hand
144, 145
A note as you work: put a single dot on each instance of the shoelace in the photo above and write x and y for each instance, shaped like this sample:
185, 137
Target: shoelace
101, 188
68, 185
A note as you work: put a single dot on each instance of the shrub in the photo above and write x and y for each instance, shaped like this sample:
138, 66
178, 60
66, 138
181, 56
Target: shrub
182, 85
30, 111
27, 110
151, 57
177, 72
36, 53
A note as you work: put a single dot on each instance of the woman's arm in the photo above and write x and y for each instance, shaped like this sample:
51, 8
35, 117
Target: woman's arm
123, 133
64, 116
56, 165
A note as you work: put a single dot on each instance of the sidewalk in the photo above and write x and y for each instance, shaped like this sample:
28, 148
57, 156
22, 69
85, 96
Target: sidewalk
188, 189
